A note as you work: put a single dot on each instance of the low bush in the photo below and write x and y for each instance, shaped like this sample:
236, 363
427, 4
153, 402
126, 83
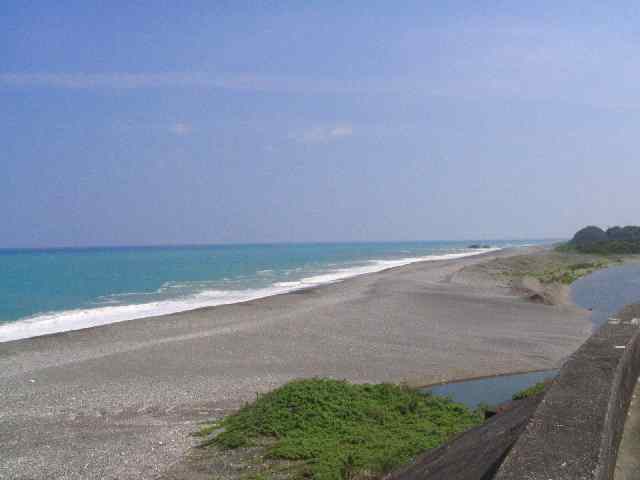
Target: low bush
334, 430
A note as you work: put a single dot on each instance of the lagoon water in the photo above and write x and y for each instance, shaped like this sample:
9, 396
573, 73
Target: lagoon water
53, 290
607, 291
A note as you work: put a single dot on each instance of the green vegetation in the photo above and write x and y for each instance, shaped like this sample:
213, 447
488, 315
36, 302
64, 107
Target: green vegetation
615, 241
566, 248
567, 273
531, 391
553, 267
542, 276
612, 247
332, 430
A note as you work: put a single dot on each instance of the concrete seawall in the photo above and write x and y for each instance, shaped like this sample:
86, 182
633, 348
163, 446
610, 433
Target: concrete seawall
575, 432
475, 454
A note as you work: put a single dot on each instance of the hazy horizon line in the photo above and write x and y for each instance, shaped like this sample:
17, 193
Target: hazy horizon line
283, 242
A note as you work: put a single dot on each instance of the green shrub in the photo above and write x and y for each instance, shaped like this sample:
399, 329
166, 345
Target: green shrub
336, 430
612, 247
531, 391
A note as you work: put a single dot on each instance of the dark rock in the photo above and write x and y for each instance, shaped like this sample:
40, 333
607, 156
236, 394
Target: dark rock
499, 409
538, 298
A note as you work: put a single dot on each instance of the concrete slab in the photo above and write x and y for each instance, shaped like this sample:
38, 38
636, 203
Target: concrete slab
628, 465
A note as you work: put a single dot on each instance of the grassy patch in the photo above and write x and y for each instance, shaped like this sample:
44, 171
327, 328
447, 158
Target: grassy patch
562, 267
333, 430
569, 272
531, 391
566, 247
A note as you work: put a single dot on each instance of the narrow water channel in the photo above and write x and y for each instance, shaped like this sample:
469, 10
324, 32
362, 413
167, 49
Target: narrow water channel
492, 390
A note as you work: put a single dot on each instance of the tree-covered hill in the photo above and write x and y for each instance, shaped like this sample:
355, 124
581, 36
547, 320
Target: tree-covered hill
615, 240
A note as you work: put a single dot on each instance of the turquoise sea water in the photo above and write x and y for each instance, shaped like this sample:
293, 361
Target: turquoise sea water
46, 291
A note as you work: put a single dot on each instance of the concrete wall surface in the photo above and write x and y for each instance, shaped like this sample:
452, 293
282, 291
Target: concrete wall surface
475, 454
575, 432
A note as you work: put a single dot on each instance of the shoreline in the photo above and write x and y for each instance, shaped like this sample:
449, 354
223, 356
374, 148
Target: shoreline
142, 386
23, 328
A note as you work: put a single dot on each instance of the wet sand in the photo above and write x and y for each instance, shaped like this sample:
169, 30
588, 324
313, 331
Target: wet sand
119, 401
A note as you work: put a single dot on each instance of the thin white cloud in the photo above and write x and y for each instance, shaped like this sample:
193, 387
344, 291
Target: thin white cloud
341, 131
180, 128
503, 58
249, 82
322, 134
100, 80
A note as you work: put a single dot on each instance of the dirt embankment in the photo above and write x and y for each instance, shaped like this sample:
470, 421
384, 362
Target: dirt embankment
542, 276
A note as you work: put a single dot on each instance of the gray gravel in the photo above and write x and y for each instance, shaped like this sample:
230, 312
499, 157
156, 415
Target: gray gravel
119, 401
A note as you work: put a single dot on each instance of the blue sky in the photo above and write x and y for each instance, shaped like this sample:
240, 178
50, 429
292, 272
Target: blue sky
205, 122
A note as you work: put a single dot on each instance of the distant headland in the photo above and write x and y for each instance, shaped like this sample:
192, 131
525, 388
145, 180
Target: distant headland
614, 240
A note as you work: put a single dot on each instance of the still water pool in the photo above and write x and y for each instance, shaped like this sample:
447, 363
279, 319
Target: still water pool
493, 390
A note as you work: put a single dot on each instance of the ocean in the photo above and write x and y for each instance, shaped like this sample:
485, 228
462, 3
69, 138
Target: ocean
53, 290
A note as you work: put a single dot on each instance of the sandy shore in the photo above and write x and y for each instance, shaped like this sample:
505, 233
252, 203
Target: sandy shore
120, 401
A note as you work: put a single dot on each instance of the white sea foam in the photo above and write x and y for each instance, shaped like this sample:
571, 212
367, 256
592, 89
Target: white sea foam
67, 320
